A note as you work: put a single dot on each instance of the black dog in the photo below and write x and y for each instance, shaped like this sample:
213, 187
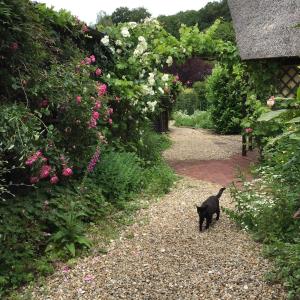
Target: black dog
208, 208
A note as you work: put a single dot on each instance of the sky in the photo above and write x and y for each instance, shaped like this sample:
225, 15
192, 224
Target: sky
87, 10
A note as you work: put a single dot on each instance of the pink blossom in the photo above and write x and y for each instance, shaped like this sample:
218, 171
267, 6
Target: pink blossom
95, 115
54, 179
88, 61
14, 46
32, 159
93, 58
92, 123
98, 105
110, 121
78, 99
65, 269
102, 89
98, 72
94, 160
45, 171
67, 172
34, 179
110, 111
248, 130
82, 62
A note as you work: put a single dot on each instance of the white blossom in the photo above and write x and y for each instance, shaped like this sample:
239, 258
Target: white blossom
119, 51
169, 61
132, 24
119, 43
152, 105
125, 32
161, 90
165, 77
151, 79
141, 39
105, 40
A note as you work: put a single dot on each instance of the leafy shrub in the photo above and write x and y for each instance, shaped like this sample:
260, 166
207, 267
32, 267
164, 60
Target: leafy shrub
225, 92
200, 89
151, 146
200, 119
120, 176
187, 101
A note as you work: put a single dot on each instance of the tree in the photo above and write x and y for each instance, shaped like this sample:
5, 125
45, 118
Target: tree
103, 19
124, 14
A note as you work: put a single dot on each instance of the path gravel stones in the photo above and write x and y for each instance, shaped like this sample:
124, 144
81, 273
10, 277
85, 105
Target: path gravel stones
163, 255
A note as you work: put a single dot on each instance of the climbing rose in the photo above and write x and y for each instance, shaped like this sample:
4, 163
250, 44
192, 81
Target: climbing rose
78, 99
30, 160
102, 88
98, 72
110, 111
92, 123
248, 130
110, 121
88, 60
54, 179
67, 172
45, 171
93, 58
95, 115
271, 101
97, 105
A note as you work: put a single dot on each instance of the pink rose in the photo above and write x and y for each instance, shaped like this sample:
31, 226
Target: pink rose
248, 130
88, 61
54, 179
67, 172
34, 179
45, 171
98, 72
93, 58
102, 88
110, 121
44, 103
95, 115
92, 123
82, 62
98, 105
78, 99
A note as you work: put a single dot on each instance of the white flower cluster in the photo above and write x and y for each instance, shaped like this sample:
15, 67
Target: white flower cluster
169, 61
151, 21
165, 77
151, 79
125, 33
141, 47
132, 24
152, 105
147, 90
105, 40
119, 43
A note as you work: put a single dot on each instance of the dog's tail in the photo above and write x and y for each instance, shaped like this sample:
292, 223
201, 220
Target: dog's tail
221, 192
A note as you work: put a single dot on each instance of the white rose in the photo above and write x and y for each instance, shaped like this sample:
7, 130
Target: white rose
105, 40
142, 39
125, 32
119, 43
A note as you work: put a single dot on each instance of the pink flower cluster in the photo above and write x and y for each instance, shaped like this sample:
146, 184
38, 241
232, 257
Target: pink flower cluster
88, 60
78, 99
98, 72
95, 114
101, 89
32, 159
94, 160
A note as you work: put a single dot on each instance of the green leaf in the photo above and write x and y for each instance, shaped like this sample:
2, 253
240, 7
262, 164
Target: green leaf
295, 136
271, 115
294, 120
71, 248
84, 241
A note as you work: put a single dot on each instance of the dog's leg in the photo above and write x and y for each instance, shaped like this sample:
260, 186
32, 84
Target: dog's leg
218, 214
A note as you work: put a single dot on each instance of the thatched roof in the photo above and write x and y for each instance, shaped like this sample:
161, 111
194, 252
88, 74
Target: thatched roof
266, 28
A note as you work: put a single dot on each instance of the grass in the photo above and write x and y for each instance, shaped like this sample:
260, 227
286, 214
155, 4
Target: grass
200, 119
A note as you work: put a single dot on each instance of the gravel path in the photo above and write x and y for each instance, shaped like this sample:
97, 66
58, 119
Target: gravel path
163, 256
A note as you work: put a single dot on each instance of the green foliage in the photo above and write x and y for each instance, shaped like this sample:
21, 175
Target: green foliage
199, 119
124, 14
203, 18
200, 89
187, 101
119, 174
226, 89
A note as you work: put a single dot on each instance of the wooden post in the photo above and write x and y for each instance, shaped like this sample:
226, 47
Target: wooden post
250, 142
244, 139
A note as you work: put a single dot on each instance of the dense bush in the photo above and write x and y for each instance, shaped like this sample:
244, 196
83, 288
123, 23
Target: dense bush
266, 205
199, 119
200, 89
187, 101
225, 92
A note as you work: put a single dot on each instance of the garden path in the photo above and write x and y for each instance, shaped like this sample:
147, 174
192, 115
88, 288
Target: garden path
163, 255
